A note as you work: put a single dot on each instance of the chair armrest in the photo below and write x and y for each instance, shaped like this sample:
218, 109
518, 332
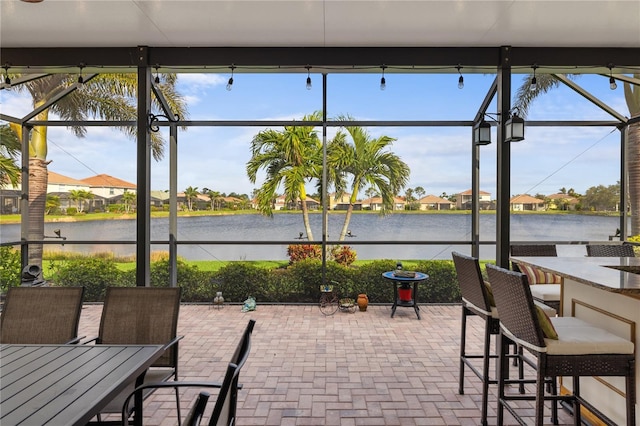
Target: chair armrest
93, 339
173, 342
75, 340
158, 385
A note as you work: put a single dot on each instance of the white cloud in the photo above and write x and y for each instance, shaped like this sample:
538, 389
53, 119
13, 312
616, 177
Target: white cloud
200, 81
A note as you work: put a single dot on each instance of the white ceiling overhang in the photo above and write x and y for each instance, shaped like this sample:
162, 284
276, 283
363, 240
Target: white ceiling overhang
320, 24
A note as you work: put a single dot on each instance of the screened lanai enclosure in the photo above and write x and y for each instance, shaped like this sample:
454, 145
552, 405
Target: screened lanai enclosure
215, 106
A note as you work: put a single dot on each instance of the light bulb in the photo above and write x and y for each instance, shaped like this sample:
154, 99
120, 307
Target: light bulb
612, 83
383, 83
461, 82
230, 84
309, 83
534, 84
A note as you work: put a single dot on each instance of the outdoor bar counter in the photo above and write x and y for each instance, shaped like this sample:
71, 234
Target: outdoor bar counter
606, 292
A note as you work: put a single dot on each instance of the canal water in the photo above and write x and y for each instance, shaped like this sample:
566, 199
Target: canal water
405, 228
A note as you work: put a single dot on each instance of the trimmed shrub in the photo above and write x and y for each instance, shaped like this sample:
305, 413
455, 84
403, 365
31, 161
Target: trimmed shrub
368, 279
94, 274
10, 268
195, 284
442, 285
239, 280
307, 276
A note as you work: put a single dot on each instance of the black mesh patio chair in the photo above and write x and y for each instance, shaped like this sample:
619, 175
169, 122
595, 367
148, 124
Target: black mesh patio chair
610, 250
142, 315
194, 417
224, 410
580, 349
41, 315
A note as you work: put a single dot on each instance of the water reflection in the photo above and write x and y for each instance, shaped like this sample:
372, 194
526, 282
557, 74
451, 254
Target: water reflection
257, 229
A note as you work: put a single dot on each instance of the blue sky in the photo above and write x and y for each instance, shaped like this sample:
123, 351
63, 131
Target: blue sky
439, 158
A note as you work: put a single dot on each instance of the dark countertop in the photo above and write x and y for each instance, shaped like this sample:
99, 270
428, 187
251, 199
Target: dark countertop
615, 274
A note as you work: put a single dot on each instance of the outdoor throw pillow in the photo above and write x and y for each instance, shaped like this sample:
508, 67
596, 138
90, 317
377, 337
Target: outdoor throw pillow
536, 276
492, 301
548, 330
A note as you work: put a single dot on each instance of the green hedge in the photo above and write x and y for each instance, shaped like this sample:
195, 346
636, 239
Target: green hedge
297, 283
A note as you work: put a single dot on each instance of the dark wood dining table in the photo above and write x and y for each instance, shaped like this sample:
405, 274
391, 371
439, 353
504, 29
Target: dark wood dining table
66, 384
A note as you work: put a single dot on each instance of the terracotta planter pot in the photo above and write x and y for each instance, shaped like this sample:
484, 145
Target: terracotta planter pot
363, 302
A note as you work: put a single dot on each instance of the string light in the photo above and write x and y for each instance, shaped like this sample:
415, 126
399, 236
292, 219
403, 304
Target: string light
230, 82
80, 78
612, 81
461, 78
7, 80
308, 67
383, 81
534, 81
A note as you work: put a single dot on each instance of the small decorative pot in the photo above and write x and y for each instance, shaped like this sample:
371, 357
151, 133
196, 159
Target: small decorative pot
218, 300
363, 302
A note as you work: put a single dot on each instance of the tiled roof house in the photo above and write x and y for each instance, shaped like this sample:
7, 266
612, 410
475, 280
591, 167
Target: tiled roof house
525, 202
463, 199
108, 186
432, 202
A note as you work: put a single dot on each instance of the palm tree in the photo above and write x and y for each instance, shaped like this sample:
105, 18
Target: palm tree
214, 197
107, 96
290, 158
52, 204
370, 192
546, 82
85, 196
191, 194
76, 195
367, 162
128, 199
9, 152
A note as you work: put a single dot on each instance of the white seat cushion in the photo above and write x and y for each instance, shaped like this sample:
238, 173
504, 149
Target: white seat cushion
546, 292
578, 337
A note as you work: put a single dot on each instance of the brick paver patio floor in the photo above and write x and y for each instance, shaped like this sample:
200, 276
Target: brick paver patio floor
306, 368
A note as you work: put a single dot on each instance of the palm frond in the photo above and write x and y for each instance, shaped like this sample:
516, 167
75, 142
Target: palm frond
525, 96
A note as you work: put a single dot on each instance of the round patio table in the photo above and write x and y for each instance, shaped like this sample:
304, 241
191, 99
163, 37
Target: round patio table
405, 290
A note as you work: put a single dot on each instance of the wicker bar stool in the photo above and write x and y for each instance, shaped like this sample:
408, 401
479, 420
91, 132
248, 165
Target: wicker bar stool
537, 250
610, 250
477, 300
580, 349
